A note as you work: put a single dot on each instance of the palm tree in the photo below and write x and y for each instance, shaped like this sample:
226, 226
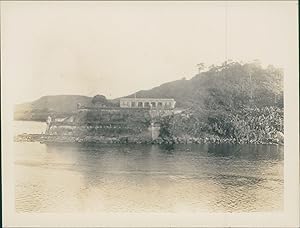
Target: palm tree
201, 67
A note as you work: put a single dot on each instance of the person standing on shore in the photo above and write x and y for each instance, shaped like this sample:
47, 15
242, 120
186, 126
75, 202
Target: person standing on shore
48, 122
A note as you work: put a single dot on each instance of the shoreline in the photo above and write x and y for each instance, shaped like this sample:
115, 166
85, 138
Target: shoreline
68, 139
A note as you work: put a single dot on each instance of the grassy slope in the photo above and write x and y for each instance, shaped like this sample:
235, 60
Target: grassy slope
40, 108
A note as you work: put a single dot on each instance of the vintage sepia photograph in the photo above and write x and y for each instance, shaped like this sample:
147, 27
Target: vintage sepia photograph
149, 108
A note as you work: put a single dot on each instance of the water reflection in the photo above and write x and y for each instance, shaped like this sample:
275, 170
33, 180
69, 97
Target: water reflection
247, 151
149, 178
167, 148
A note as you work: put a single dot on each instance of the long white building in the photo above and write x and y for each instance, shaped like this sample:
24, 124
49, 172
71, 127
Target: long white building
160, 103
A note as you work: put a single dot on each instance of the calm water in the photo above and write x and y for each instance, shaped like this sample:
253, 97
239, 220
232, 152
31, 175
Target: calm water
148, 178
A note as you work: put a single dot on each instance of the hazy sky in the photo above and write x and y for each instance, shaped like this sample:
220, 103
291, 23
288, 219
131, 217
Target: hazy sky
117, 48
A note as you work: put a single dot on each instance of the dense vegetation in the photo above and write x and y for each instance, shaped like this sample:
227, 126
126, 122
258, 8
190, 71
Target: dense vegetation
234, 102
245, 125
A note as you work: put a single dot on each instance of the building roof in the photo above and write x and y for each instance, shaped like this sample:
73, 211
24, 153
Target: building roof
158, 99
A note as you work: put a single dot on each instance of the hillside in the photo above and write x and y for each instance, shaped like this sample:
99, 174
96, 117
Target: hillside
229, 86
40, 108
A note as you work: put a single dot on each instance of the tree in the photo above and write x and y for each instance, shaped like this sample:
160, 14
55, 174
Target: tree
99, 100
201, 67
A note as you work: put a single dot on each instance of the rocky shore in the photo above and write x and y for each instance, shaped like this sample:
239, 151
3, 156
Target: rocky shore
65, 139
